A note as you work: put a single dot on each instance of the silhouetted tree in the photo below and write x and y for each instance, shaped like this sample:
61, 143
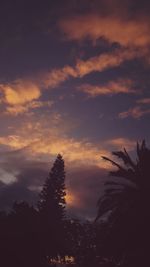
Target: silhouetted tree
81, 240
52, 211
87, 253
126, 208
19, 243
52, 197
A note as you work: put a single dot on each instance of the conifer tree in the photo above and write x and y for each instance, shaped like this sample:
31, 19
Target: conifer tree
52, 197
52, 212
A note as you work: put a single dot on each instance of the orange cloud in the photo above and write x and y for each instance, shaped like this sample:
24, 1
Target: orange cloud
135, 112
36, 139
120, 143
20, 92
105, 61
113, 87
76, 152
84, 67
113, 29
57, 76
22, 96
47, 135
21, 109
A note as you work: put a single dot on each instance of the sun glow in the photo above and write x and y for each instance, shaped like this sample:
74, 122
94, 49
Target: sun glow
71, 200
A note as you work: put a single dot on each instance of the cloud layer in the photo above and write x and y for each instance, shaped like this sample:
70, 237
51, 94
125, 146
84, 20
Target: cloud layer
112, 88
113, 29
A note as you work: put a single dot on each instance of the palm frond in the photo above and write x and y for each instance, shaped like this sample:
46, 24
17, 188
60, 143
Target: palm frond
124, 156
127, 174
125, 193
112, 162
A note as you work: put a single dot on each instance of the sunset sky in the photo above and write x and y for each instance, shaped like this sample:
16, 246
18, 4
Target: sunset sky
74, 79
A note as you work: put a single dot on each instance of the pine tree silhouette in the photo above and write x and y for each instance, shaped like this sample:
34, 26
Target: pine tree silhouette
52, 197
51, 208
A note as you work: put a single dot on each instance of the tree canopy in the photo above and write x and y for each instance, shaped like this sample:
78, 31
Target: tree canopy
125, 204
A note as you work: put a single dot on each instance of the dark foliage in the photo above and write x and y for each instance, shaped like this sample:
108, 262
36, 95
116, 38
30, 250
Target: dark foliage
29, 237
126, 205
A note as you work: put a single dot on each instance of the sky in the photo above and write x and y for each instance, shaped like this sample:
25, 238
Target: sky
74, 79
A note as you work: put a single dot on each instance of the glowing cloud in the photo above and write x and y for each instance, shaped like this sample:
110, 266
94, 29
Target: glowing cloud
20, 92
84, 67
21, 109
113, 87
57, 76
105, 61
21, 95
138, 111
135, 112
120, 143
37, 139
113, 29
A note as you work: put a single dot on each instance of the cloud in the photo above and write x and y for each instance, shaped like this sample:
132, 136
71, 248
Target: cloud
46, 136
20, 92
120, 143
21, 109
105, 61
84, 184
57, 76
135, 112
113, 87
29, 152
22, 95
144, 101
29, 175
97, 63
138, 111
83, 67
7, 177
15, 192
75, 152
126, 32
22, 177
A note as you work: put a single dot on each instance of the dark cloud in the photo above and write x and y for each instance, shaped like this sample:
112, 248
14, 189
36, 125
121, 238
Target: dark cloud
31, 16
125, 8
24, 189
84, 183
15, 192
29, 174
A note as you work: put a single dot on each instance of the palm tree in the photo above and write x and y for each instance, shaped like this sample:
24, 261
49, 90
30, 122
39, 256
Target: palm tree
125, 206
